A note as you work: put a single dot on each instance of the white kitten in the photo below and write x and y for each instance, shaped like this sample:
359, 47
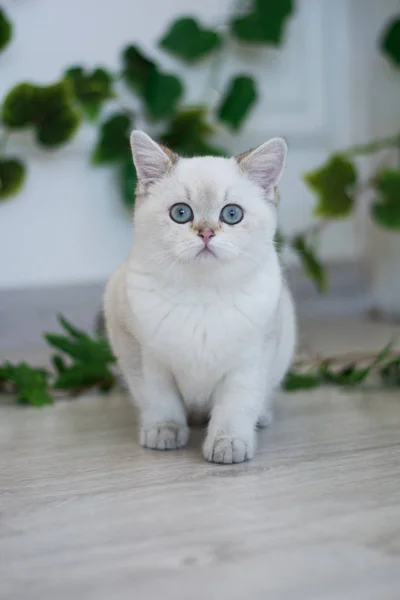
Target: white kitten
199, 316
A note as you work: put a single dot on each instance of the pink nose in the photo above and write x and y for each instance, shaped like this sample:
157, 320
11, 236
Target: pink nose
206, 234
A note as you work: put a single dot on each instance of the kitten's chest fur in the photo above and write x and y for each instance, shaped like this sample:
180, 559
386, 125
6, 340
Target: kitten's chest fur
198, 333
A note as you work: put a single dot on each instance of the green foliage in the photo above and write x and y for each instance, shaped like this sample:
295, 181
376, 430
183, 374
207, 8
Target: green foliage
351, 374
113, 142
238, 101
188, 133
334, 185
300, 381
48, 110
386, 211
390, 373
187, 40
279, 241
21, 106
53, 112
90, 359
5, 30
127, 182
81, 362
30, 385
91, 89
12, 177
159, 92
136, 69
58, 363
264, 23
162, 94
390, 41
347, 375
309, 260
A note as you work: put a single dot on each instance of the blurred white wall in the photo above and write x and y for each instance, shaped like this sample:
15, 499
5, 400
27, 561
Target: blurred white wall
68, 225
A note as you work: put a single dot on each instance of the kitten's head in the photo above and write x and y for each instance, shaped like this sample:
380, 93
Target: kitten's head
206, 212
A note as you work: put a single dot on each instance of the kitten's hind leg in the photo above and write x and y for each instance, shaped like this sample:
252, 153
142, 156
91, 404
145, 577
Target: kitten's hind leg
266, 415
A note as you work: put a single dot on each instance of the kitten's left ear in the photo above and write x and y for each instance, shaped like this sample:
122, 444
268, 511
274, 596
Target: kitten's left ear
265, 164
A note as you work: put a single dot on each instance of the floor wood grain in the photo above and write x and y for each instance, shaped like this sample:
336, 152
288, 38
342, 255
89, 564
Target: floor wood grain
87, 514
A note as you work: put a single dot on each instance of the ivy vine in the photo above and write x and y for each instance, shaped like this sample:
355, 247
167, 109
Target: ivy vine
83, 362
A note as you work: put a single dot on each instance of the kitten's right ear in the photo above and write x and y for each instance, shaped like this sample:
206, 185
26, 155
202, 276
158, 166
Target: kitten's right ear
152, 161
265, 164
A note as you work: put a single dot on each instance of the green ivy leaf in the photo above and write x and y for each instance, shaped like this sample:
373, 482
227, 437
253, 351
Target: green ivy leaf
12, 177
300, 381
161, 95
264, 23
90, 359
59, 363
386, 215
188, 134
85, 348
113, 142
69, 328
189, 41
57, 120
352, 374
310, 262
136, 69
387, 183
48, 110
127, 183
390, 41
31, 384
81, 375
333, 183
347, 375
160, 92
386, 210
91, 89
57, 128
21, 106
5, 30
238, 101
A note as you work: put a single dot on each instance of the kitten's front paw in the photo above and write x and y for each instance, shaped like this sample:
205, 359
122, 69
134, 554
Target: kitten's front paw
227, 450
164, 436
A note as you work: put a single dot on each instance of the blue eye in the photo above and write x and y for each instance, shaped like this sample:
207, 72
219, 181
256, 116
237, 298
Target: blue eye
181, 213
231, 214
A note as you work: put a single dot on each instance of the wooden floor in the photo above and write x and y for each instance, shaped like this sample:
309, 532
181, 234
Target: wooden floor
87, 514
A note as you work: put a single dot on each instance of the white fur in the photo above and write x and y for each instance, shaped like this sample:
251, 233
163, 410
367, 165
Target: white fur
207, 335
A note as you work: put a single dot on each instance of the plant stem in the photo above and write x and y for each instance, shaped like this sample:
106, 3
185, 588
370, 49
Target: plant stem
212, 81
372, 147
3, 141
343, 358
8, 387
311, 231
317, 228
